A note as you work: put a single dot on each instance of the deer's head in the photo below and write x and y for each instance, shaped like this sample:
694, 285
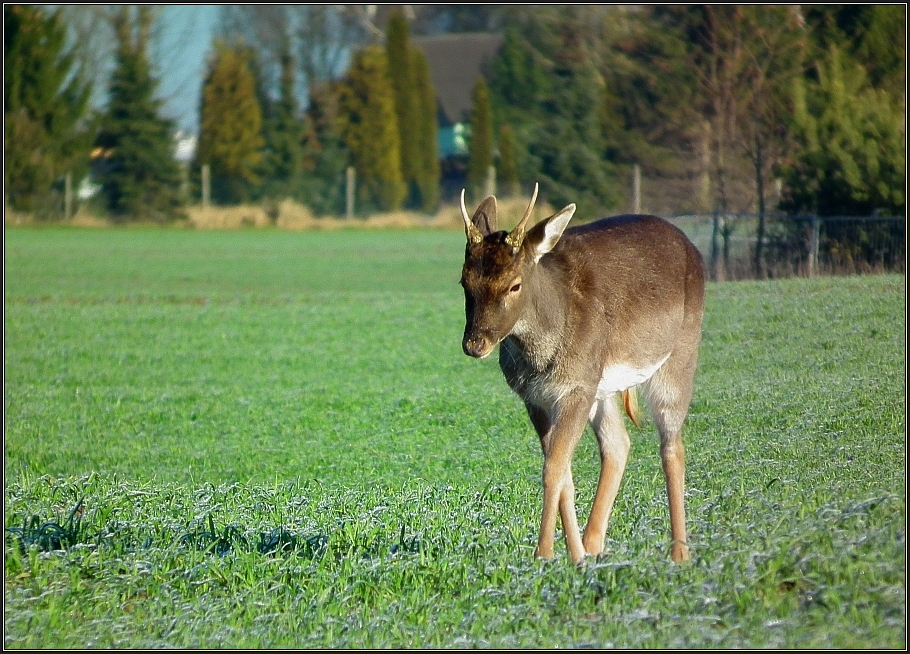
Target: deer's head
498, 268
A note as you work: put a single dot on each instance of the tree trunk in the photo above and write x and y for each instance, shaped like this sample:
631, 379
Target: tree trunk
758, 266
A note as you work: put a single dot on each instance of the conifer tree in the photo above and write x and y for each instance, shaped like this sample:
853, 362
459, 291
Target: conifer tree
230, 135
140, 178
407, 102
507, 170
849, 159
268, 107
47, 131
284, 138
883, 48
480, 147
568, 147
428, 171
370, 129
850, 156
519, 82
325, 156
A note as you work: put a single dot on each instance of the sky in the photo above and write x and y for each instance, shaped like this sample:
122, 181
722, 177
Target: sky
186, 40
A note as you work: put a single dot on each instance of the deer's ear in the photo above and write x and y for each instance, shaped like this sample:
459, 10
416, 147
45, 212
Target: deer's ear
484, 218
544, 236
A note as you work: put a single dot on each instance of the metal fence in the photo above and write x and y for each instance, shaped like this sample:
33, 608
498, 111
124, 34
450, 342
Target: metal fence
740, 246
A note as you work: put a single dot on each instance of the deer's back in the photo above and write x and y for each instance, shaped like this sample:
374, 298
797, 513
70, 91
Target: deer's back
633, 284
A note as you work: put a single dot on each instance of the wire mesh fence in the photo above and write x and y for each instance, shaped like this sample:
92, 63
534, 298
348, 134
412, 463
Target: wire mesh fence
734, 245
742, 246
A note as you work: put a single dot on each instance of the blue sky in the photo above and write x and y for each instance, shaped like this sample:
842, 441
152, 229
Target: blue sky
186, 39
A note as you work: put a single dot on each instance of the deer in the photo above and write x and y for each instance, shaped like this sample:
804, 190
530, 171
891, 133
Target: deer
582, 317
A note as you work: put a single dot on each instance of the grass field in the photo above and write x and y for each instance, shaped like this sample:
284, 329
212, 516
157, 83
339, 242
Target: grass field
259, 438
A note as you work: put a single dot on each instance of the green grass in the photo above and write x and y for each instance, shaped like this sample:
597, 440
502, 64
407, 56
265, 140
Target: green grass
272, 439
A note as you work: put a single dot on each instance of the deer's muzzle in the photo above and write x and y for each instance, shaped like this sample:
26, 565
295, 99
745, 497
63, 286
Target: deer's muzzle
477, 346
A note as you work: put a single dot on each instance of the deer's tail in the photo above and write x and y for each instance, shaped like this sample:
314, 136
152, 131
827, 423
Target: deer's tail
630, 402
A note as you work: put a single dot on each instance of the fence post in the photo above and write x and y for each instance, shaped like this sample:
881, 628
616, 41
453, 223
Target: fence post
206, 181
636, 188
68, 196
350, 181
813, 245
490, 184
715, 247
185, 180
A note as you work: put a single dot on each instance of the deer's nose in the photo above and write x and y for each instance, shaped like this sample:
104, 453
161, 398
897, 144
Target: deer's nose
476, 346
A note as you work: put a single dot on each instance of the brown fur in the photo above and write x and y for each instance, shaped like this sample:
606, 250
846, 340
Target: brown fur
582, 316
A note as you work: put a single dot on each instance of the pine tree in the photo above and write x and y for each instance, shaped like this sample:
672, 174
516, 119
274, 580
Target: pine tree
519, 81
268, 107
568, 148
850, 159
230, 135
47, 130
883, 48
407, 103
546, 87
325, 156
284, 138
139, 176
428, 147
370, 129
480, 147
850, 156
507, 171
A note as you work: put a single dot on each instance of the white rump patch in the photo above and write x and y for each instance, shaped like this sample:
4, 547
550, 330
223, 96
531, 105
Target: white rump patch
621, 377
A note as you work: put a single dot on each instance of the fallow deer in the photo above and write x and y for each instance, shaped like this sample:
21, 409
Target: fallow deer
582, 316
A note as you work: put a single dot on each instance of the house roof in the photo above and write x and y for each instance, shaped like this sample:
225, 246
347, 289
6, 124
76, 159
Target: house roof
456, 60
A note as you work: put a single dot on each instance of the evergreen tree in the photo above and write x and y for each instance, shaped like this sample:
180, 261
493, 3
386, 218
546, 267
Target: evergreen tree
873, 35
370, 130
882, 48
230, 135
568, 148
480, 146
284, 138
546, 86
850, 155
849, 159
268, 107
47, 131
519, 81
407, 103
507, 171
837, 25
139, 176
647, 108
428, 172
325, 156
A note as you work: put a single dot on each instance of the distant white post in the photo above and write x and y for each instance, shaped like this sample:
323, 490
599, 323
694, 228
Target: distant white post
636, 188
68, 196
813, 246
206, 175
490, 184
351, 180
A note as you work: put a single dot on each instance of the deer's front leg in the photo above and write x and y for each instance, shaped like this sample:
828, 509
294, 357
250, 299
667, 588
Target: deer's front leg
568, 423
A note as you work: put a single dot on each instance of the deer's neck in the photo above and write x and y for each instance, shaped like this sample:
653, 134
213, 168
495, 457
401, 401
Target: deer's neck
540, 331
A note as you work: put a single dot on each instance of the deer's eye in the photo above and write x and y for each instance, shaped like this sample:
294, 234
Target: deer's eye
515, 287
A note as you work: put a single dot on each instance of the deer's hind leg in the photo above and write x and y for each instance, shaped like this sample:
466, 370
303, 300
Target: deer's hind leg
607, 421
669, 393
